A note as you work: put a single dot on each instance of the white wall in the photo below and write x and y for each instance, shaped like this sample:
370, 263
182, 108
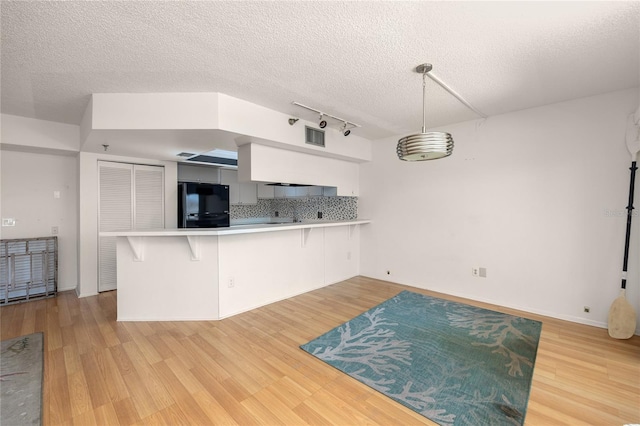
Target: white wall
536, 196
88, 212
29, 134
28, 184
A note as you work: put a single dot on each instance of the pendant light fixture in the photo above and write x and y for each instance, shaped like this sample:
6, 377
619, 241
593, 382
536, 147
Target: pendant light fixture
425, 145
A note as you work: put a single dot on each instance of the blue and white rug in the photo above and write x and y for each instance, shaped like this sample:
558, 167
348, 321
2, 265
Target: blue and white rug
453, 363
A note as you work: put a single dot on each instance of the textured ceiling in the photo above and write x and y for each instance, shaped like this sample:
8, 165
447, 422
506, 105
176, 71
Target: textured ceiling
350, 59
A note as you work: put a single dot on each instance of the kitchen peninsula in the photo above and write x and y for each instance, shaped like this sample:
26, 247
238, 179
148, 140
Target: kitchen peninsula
210, 274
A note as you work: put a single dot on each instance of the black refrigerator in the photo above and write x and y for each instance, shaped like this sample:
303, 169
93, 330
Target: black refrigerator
202, 205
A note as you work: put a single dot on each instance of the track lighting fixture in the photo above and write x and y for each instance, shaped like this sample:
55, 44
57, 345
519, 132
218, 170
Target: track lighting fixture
344, 130
293, 121
323, 123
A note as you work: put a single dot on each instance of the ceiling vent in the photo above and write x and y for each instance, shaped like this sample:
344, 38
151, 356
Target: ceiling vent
214, 161
216, 157
314, 136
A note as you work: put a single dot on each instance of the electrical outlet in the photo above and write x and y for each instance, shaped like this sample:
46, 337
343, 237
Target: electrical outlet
232, 282
479, 272
8, 221
587, 309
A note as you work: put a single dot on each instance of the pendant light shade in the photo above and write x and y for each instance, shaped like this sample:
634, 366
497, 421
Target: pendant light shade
425, 145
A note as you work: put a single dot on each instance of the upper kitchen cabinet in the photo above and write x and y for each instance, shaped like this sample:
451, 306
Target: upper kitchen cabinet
239, 192
329, 191
266, 191
269, 164
195, 173
285, 191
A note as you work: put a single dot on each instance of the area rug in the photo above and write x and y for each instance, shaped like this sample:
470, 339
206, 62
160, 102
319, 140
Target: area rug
453, 363
21, 368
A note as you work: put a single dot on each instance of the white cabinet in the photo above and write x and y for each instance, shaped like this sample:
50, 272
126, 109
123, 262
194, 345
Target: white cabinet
194, 173
279, 191
303, 191
308, 191
239, 192
248, 193
266, 191
285, 191
314, 191
329, 191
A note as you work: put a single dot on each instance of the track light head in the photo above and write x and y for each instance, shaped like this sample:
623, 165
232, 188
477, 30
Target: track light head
293, 121
345, 131
323, 123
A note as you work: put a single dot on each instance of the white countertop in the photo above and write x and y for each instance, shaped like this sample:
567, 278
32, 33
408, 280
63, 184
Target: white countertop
234, 229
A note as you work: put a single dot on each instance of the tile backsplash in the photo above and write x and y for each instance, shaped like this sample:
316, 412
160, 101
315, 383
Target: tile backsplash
305, 208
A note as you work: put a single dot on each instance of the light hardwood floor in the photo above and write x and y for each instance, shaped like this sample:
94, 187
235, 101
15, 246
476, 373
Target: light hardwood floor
249, 370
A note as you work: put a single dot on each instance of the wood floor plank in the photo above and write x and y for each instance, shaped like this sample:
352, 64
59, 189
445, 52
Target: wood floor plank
141, 399
79, 394
214, 411
184, 375
218, 390
268, 398
249, 369
106, 415
126, 411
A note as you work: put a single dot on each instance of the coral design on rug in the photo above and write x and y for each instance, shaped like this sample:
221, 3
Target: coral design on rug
452, 363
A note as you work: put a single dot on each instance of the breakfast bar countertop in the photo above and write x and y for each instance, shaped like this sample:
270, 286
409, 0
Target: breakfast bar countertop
234, 229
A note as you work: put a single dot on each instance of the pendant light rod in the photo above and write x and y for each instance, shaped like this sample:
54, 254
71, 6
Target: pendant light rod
424, 102
451, 91
342, 120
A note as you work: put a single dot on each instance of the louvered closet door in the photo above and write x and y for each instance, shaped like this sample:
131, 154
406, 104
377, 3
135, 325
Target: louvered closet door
131, 197
115, 214
149, 197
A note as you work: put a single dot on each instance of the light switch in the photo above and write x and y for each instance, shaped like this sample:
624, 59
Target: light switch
8, 221
56, 194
